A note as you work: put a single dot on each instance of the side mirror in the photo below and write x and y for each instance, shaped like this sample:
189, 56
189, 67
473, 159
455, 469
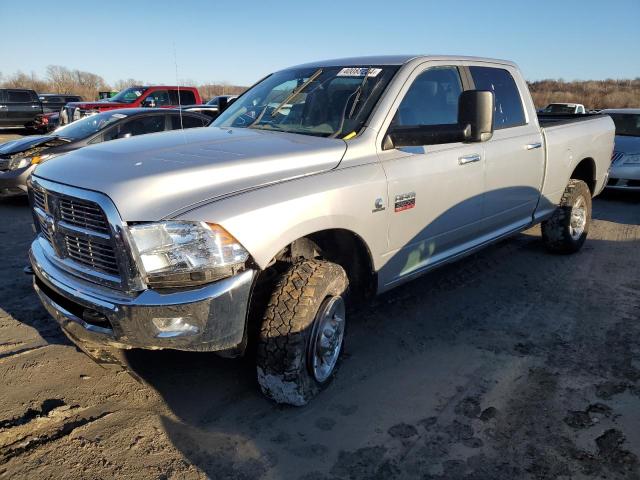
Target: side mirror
124, 135
149, 102
475, 108
475, 124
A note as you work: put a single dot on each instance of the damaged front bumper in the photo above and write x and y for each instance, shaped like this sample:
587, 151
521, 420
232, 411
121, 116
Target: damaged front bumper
14, 182
95, 317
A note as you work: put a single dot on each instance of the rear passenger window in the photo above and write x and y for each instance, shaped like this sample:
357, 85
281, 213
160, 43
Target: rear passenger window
432, 99
188, 121
509, 111
18, 97
187, 97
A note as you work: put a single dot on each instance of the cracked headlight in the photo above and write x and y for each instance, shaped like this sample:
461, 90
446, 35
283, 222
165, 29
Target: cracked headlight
179, 254
632, 159
17, 163
22, 162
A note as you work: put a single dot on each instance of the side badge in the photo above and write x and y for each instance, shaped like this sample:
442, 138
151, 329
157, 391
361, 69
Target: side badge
378, 205
405, 201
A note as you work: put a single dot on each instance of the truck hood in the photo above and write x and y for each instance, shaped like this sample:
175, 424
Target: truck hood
151, 177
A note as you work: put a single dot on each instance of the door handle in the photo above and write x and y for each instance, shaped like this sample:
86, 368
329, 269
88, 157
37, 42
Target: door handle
35, 106
533, 146
3, 106
475, 157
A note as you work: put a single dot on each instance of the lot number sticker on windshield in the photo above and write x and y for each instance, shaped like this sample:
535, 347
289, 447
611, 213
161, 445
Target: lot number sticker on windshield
358, 72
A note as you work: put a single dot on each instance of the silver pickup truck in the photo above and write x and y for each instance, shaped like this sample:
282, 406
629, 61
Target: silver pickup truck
323, 183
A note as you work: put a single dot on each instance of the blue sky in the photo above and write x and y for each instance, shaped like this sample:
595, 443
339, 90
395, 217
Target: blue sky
240, 41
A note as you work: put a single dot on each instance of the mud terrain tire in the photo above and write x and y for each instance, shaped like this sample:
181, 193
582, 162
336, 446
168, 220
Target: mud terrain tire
566, 231
297, 303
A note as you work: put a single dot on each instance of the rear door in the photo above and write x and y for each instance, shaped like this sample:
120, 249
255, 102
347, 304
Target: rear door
514, 157
22, 106
435, 192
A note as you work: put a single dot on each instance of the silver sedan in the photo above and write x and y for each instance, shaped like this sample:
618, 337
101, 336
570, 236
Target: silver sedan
625, 163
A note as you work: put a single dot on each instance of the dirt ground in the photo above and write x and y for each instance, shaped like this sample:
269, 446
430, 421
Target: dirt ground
511, 364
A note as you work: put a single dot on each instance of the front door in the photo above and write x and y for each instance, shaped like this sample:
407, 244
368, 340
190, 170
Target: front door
435, 192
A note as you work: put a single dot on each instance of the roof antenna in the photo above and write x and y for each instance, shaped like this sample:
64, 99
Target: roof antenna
175, 61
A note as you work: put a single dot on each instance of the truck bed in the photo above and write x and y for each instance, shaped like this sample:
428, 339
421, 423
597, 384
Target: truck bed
553, 119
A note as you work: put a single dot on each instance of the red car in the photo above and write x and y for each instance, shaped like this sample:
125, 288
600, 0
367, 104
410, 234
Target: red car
157, 96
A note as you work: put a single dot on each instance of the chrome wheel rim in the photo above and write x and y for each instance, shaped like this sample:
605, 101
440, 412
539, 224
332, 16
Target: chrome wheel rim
326, 338
578, 220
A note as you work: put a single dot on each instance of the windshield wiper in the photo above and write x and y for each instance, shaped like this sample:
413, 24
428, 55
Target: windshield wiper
296, 92
358, 93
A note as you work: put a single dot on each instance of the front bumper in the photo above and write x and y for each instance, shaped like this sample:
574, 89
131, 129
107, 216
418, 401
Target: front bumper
94, 316
14, 182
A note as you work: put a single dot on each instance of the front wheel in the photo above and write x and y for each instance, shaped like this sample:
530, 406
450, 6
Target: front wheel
302, 332
566, 230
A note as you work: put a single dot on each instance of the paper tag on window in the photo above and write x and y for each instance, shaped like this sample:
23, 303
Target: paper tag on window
358, 72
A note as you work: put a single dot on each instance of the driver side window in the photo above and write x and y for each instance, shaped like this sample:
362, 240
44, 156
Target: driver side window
432, 99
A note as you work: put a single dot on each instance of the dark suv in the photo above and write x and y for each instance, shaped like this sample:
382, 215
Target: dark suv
18, 107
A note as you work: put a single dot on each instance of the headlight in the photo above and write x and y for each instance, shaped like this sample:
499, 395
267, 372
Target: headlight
178, 254
16, 163
632, 159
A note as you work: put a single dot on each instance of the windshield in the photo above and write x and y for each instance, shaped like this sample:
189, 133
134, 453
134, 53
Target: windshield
88, 125
326, 101
627, 124
129, 95
559, 108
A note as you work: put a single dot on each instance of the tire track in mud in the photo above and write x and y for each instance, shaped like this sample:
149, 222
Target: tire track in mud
42, 425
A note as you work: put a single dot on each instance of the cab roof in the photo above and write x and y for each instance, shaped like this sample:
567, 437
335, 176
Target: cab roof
395, 60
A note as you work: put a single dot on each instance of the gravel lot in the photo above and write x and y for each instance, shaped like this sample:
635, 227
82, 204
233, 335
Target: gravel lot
513, 363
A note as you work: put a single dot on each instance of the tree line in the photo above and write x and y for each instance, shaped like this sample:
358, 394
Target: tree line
59, 79
594, 94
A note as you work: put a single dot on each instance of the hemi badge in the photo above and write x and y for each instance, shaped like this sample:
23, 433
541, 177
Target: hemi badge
405, 201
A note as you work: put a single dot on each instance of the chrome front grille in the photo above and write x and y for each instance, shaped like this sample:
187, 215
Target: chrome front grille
92, 254
83, 214
78, 231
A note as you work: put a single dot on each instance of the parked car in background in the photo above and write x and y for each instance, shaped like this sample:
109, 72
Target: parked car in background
353, 175
221, 100
106, 95
133, 97
625, 163
53, 102
564, 108
46, 122
18, 107
213, 107
19, 157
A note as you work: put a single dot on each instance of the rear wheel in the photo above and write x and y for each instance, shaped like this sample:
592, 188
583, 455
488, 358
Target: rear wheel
566, 231
302, 332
